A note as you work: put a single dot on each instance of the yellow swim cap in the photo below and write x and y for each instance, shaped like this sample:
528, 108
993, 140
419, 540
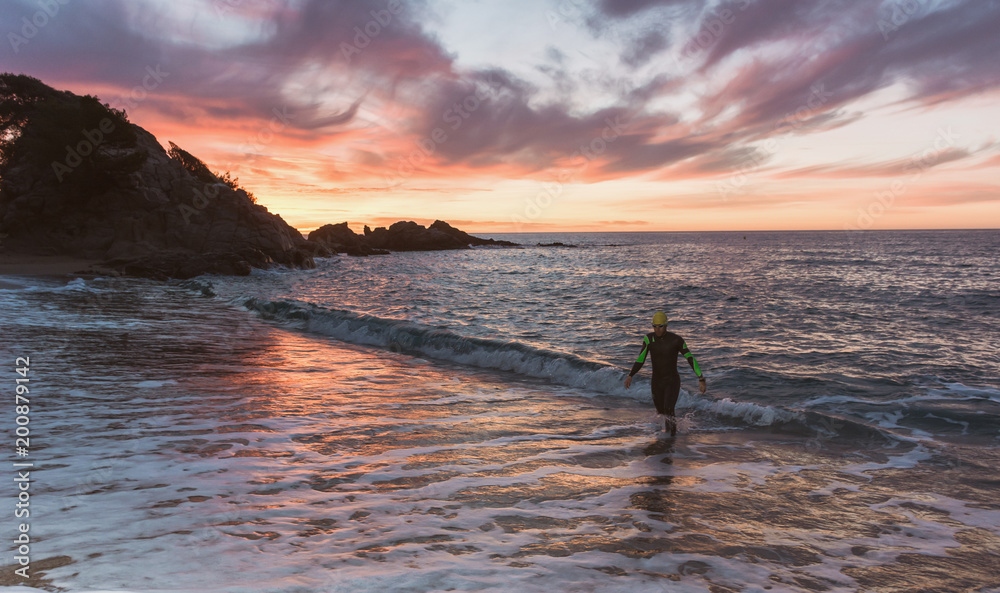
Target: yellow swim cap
660, 318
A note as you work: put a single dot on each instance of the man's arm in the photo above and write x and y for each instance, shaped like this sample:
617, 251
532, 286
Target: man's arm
694, 366
642, 357
638, 361
690, 358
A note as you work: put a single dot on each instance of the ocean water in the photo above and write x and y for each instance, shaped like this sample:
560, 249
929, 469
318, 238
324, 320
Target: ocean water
457, 421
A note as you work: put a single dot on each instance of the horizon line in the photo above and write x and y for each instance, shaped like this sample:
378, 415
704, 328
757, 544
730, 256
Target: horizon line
804, 230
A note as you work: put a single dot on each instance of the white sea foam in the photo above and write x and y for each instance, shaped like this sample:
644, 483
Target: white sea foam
746, 412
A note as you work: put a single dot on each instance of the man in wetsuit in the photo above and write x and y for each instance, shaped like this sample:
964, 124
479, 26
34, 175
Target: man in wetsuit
665, 384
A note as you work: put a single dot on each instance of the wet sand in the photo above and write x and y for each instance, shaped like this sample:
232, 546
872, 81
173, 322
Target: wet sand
20, 264
183, 445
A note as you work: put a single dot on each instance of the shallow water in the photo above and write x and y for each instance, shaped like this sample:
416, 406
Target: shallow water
894, 330
182, 444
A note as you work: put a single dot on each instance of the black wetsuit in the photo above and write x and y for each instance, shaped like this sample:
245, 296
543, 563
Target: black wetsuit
666, 381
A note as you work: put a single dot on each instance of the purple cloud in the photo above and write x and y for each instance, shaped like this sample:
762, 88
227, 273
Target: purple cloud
793, 66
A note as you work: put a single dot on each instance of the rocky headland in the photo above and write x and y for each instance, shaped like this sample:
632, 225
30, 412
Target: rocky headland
401, 236
77, 178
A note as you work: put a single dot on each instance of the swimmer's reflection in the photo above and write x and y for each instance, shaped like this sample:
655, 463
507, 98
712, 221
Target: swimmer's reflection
659, 499
663, 447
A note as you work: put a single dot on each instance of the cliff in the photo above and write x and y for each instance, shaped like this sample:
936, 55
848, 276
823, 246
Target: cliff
77, 178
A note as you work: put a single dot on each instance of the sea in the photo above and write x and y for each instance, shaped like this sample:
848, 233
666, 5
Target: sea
458, 421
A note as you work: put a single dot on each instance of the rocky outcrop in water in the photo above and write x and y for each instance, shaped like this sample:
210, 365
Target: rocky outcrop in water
338, 238
410, 236
76, 178
466, 238
401, 236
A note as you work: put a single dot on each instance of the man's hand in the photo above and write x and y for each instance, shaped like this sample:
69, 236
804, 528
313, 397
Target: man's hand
701, 384
628, 381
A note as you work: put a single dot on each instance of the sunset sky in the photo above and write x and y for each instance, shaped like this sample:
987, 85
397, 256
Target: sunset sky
531, 115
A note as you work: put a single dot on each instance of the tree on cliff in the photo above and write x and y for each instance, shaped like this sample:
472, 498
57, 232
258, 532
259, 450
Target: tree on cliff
78, 142
199, 169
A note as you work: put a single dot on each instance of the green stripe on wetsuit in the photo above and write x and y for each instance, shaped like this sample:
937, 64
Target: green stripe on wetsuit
690, 357
645, 350
647, 342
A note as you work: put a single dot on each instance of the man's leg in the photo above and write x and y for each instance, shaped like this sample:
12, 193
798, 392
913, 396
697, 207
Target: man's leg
671, 391
657, 386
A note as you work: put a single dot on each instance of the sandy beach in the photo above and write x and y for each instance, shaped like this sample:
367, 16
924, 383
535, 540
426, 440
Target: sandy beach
19, 264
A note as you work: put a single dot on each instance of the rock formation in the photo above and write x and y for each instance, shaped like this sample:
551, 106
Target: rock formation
401, 236
338, 238
467, 239
77, 178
